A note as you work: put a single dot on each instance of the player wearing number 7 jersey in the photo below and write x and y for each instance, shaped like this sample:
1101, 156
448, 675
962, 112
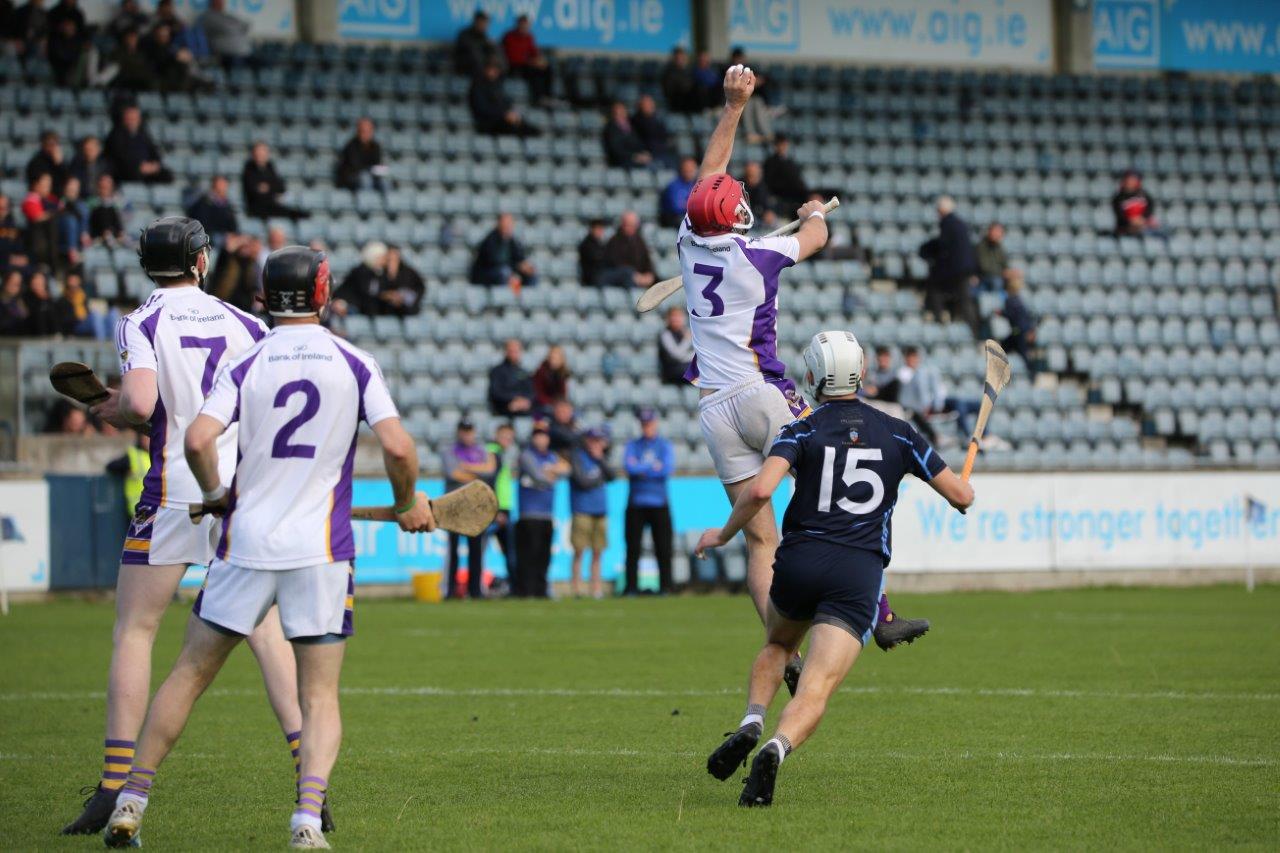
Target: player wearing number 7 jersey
298, 396
170, 349
848, 459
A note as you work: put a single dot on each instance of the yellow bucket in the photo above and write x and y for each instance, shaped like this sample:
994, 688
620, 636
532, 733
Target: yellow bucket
426, 587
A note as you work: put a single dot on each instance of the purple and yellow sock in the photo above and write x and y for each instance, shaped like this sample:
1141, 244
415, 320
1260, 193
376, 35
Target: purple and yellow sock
139, 782
116, 761
295, 749
886, 612
310, 800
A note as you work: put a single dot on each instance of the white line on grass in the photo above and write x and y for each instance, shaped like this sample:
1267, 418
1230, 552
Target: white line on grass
635, 693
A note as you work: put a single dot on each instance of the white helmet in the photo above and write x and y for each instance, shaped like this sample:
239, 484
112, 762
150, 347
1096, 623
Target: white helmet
833, 364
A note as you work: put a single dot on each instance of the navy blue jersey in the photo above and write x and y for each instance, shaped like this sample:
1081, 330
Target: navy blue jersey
848, 459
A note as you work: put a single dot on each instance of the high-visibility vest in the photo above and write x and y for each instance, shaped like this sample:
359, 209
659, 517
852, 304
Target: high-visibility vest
139, 465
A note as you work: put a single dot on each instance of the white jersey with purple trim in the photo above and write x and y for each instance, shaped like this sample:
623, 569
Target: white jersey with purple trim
299, 396
731, 291
184, 335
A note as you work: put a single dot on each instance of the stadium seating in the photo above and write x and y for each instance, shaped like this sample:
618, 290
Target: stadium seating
1157, 353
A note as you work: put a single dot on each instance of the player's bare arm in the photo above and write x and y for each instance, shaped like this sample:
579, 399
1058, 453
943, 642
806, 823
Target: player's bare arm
739, 83
956, 491
400, 457
200, 444
749, 502
813, 234
133, 403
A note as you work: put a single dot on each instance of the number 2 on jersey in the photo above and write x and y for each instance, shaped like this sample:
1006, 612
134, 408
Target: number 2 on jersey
281, 448
852, 474
716, 274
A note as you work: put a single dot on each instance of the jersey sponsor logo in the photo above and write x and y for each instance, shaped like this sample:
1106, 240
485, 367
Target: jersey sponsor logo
194, 316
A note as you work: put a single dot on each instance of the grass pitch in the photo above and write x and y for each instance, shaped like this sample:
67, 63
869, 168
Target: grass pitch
1138, 719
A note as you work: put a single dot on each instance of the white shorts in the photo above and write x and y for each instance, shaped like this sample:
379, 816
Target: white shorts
314, 601
163, 536
740, 423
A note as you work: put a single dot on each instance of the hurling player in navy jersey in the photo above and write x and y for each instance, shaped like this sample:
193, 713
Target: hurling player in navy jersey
848, 460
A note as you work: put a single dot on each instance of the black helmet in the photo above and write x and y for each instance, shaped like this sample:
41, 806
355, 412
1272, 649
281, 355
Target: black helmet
295, 281
169, 248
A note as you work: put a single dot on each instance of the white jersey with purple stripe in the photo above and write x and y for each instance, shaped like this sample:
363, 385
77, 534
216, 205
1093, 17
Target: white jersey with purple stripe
731, 290
299, 396
184, 335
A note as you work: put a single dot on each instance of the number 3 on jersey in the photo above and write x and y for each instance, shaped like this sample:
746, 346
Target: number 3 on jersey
852, 474
716, 274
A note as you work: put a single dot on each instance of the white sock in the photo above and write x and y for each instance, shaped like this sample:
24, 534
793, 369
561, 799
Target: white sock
754, 717
302, 819
782, 748
125, 796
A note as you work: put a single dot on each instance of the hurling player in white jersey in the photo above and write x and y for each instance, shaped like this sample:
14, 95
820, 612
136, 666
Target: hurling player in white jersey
731, 287
298, 397
169, 350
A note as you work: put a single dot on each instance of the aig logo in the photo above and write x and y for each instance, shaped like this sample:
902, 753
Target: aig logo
1126, 33
373, 18
765, 24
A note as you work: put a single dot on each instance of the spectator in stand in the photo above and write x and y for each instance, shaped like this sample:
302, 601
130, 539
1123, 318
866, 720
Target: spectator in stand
923, 393
1134, 207
49, 161
649, 461
73, 316
13, 305
360, 161
133, 153
108, 213
237, 274
262, 186
524, 59
627, 250
675, 347
213, 210
68, 38
593, 262
188, 38
992, 258
133, 70
473, 49
501, 258
762, 204
675, 196
1022, 323
13, 243
882, 382
40, 208
359, 290
540, 469
551, 379
652, 131
952, 267
228, 36
68, 418
402, 286
174, 66
88, 165
563, 426
510, 386
465, 462
128, 17
783, 176
677, 83
504, 450
622, 145
588, 502
42, 320
707, 82
492, 110
73, 226
30, 26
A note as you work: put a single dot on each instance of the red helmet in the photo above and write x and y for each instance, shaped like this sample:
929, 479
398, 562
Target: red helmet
715, 205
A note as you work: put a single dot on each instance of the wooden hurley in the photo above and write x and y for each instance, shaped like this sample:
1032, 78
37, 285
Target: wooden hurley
998, 375
656, 294
77, 381
468, 510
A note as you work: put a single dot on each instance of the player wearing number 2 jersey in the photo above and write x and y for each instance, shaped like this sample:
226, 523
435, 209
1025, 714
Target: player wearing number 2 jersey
298, 397
170, 349
848, 460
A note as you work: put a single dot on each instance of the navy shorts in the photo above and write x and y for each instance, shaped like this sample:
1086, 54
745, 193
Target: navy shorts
824, 582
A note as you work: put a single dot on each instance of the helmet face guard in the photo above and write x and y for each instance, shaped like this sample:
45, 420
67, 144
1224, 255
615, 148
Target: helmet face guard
743, 210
